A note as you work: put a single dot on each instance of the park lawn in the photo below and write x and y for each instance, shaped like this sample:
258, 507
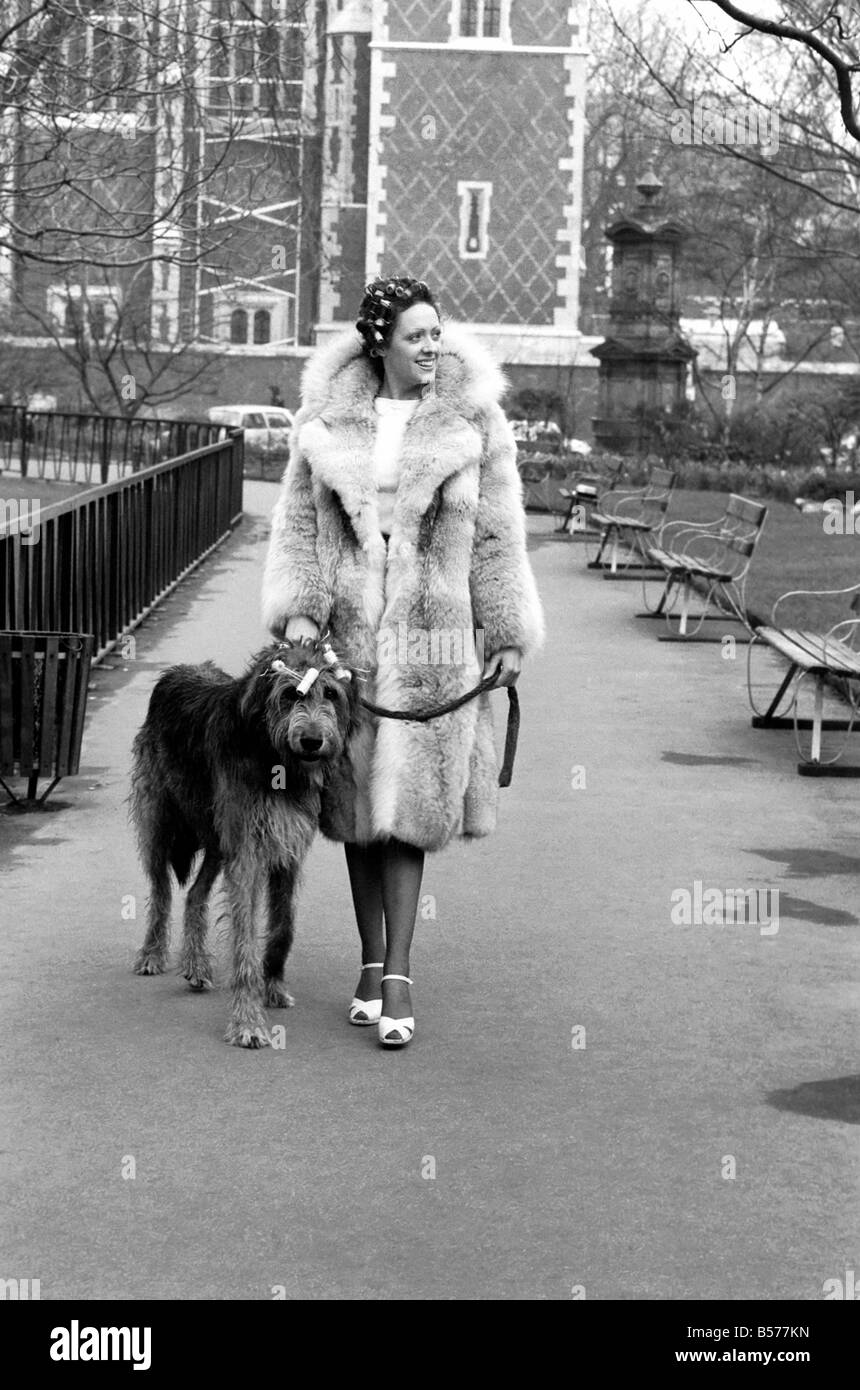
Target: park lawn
47, 491
795, 552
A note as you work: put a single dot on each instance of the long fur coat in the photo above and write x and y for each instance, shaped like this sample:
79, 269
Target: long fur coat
454, 583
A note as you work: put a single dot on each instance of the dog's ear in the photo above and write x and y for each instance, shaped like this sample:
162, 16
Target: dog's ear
353, 692
256, 687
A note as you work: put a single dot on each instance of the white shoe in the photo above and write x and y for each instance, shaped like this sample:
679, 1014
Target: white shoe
395, 1032
363, 1012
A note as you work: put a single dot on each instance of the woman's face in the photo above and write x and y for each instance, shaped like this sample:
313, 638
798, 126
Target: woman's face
412, 352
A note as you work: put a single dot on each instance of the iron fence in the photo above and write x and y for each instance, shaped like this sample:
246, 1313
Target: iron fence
98, 562
66, 447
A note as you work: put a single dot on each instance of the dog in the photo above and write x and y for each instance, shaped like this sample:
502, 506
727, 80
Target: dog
234, 769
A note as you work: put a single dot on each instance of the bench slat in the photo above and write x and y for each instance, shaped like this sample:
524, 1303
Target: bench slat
812, 651
744, 509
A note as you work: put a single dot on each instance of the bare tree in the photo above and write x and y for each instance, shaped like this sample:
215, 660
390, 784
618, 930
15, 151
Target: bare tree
772, 221
152, 181
829, 31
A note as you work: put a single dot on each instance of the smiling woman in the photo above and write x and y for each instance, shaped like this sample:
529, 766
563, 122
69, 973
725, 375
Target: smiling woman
401, 510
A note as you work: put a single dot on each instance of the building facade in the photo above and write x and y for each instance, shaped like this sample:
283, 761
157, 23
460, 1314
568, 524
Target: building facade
223, 179
463, 163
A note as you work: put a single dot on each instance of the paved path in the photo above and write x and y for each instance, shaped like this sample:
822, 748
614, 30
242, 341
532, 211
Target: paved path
555, 1165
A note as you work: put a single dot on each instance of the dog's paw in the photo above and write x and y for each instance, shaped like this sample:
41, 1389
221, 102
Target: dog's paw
198, 972
247, 1035
150, 963
277, 996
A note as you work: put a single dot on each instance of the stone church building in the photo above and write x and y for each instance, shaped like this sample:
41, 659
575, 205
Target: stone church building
441, 138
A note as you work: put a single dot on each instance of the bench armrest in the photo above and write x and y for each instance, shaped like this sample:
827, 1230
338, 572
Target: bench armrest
810, 593
616, 498
707, 547
671, 532
847, 623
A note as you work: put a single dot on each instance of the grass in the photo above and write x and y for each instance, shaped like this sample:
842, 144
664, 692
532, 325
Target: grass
795, 552
47, 491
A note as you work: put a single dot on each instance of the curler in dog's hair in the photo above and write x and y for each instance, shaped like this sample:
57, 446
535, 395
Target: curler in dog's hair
307, 680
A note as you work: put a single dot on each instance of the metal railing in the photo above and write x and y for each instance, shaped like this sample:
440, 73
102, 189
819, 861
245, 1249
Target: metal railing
73, 448
97, 563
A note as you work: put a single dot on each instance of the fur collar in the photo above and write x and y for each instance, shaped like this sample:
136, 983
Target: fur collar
335, 425
339, 380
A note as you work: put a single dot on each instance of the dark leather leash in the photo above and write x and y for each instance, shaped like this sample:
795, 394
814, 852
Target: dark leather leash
488, 683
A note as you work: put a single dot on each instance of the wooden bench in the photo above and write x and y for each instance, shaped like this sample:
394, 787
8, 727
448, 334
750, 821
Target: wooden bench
711, 558
628, 518
830, 661
581, 497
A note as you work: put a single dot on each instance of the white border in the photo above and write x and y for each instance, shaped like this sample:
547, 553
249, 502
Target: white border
381, 72
570, 164
478, 46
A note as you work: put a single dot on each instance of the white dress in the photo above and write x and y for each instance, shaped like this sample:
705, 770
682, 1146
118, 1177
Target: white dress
392, 417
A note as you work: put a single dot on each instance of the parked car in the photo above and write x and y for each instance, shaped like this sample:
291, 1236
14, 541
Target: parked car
267, 427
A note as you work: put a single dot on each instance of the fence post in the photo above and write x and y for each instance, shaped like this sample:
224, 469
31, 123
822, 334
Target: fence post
25, 430
105, 448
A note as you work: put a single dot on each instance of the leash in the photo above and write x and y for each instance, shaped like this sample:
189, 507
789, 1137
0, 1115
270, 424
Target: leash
331, 660
511, 733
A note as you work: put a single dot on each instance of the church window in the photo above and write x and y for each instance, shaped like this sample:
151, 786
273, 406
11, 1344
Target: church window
474, 220
482, 19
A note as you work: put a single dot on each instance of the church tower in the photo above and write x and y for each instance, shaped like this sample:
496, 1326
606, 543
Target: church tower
473, 180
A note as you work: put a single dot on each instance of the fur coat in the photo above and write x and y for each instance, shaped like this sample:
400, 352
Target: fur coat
453, 585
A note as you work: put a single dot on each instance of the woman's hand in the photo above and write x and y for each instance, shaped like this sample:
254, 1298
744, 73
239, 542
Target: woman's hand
301, 629
508, 662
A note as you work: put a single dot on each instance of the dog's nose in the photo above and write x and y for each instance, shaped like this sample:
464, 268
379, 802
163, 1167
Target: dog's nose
311, 745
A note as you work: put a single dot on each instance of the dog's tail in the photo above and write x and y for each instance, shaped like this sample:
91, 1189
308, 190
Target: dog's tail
164, 835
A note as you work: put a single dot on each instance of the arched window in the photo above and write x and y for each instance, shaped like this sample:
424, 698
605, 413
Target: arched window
239, 326
262, 326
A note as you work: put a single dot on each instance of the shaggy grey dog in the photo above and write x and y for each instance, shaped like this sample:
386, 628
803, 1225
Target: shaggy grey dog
234, 769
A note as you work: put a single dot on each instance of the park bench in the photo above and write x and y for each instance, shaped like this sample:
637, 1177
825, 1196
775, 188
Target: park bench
627, 518
710, 558
582, 494
826, 661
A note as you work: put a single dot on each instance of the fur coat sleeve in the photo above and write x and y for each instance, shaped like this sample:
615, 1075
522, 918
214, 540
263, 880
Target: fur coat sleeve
293, 582
505, 599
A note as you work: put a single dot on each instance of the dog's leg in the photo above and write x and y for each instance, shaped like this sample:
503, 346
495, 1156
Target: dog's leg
196, 961
282, 891
248, 1026
152, 957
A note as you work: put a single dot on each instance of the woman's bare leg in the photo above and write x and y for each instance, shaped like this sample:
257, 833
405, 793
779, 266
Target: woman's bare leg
402, 871
364, 863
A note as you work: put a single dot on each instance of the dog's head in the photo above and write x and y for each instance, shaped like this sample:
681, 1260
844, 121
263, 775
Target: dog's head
309, 705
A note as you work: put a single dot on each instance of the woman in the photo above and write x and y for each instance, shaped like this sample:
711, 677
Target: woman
400, 529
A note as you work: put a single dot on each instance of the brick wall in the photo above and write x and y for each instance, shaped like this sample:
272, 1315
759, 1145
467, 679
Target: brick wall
452, 124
